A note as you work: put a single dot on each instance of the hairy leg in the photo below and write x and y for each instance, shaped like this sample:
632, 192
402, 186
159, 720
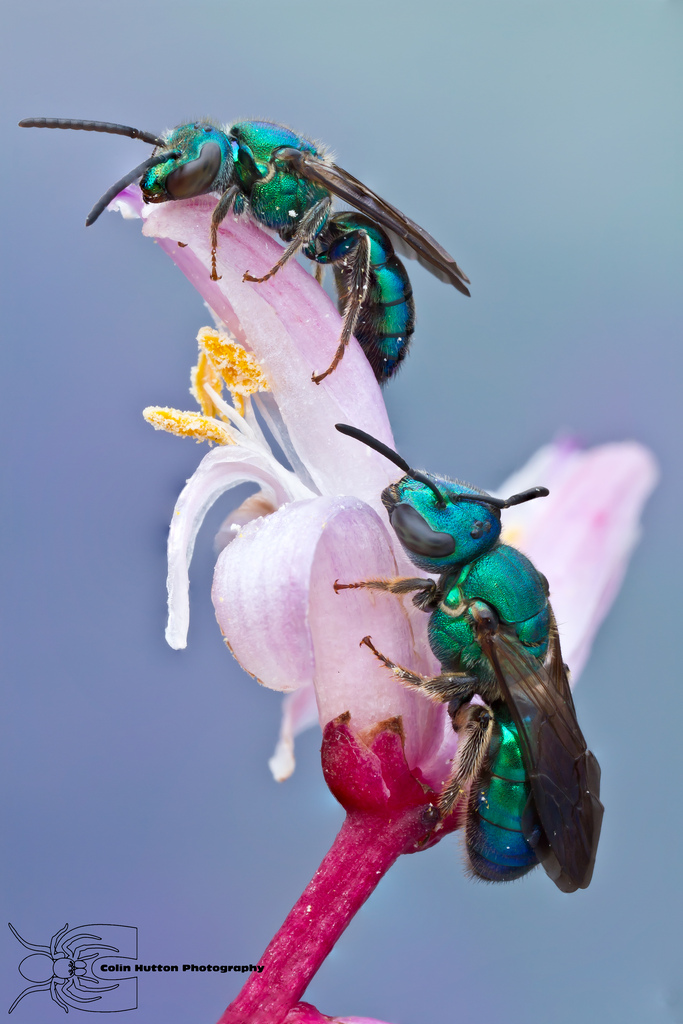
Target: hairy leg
446, 688
360, 265
223, 207
308, 228
426, 592
474, 724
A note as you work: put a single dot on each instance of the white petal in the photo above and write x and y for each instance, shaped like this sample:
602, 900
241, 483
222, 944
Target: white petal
218, 471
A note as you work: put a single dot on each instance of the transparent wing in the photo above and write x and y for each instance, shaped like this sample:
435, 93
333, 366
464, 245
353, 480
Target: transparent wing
564, 775
404, 231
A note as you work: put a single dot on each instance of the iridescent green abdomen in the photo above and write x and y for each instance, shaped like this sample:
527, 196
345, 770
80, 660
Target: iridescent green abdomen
277, 200
505, 580
386, 321
499, 800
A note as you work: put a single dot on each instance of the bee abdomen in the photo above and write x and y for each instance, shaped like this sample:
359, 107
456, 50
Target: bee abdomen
499, 801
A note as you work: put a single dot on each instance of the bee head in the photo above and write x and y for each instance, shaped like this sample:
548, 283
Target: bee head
439, 522
436, 527
200, 161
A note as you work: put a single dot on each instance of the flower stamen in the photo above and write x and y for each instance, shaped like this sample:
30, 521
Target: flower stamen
223, 360
204, 375
188, 424
230, 415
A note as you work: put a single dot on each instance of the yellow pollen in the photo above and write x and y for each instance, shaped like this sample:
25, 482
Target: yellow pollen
187, 424
240, 370
201, 374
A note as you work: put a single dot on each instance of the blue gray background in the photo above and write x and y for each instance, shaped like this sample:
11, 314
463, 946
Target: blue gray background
541, 143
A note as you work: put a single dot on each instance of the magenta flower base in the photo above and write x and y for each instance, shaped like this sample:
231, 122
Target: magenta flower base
389, 812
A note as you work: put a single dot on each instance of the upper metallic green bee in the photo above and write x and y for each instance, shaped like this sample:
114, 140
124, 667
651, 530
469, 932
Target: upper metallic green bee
533, 786
287, 184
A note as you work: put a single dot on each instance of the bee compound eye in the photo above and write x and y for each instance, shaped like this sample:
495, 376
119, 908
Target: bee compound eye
415, 533
195, 178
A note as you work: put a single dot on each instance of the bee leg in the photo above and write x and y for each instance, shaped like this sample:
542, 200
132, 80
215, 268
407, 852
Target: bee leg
319, 273
474, 724
306, 231
428, 594
444, 689
357, 251
223, 208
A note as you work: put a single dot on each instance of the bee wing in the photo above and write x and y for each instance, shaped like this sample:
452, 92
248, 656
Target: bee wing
564, 775
408, 237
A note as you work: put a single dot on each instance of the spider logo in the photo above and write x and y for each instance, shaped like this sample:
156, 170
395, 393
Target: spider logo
61, 967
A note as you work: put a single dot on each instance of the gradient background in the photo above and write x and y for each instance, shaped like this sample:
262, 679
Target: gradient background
540, 142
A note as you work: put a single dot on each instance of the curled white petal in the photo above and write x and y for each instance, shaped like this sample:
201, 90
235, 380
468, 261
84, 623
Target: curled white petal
220, 470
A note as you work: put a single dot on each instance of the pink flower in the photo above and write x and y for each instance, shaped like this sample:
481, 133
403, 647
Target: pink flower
327, 520
583, 534
386, 750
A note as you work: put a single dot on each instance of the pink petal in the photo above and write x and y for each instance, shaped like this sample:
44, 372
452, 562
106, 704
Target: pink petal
129, 203
293, 328
221, 469
583, 534
275, 602
300, 712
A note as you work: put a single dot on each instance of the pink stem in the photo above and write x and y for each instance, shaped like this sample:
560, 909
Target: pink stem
363, 851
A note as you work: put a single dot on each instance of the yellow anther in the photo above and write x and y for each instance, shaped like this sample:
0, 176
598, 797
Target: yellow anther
201, 374
187, 424
239, 369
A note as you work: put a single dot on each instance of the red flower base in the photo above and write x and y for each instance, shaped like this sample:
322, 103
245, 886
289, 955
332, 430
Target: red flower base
389, 812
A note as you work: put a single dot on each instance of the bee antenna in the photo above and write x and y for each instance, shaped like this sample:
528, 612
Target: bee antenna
92, 126
378, 446
516, 499
529, 495
133, 175
424, 479
389, 453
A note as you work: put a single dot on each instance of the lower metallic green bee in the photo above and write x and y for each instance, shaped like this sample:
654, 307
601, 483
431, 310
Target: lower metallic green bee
531, 788
287, 184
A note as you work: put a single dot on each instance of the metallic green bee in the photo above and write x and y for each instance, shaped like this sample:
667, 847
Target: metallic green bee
531, 786
287, 184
